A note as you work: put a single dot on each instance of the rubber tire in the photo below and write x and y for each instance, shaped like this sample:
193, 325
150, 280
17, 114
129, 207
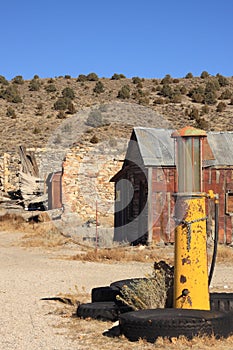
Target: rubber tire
221, 301
105, 311
101, 294
127, 282
151, 324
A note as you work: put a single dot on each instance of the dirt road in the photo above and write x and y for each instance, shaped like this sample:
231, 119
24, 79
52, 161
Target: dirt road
26, 322
27, 275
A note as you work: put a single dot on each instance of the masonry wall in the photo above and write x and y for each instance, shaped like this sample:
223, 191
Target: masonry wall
86, 186
9, 168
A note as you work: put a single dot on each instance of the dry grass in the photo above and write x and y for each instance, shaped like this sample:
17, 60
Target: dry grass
127, 254
225, 254
150, 293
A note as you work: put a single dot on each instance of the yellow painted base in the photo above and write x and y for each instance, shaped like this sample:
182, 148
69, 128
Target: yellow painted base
191, 270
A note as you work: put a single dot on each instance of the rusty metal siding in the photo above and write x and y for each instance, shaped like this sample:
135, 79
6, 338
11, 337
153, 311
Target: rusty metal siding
154, 148
163, 201
221, 182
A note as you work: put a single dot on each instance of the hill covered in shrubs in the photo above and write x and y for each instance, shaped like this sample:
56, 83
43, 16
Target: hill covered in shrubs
30, 110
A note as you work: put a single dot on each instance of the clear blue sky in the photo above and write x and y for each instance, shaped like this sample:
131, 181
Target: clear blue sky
146, 38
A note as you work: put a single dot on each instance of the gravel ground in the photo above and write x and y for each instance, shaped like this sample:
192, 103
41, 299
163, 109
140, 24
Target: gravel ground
27, 275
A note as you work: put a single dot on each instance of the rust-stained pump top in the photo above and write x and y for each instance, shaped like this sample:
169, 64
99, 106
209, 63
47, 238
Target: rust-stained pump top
189, 131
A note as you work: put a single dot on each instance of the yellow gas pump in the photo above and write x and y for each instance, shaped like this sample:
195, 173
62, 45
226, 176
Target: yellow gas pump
191, 270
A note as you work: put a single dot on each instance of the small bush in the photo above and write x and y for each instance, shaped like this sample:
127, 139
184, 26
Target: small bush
221, 106
167, 80
222, 80
61, 115
50, 88
11, 113
212, 85
99, 87
92, 77
61, 104
70, 108
36, 76
210, 98
189, 75
226, 94
3, 80
194, 114
36, 130
18, 80
159, 101
67, 76
81, 78
166, 91
34, 85
197, 94
94, 139
149, 293
144, 101
176, 98
68, 93
39, 109
197, 97
117, 76
201, 123
205, 109
204, 75
124, 92
136, 80
183, 90
11, 94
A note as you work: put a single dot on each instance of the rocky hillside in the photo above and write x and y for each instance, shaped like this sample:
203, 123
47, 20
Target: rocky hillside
30, 110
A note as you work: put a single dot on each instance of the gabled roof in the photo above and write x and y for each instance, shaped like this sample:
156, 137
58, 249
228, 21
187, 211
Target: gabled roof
157, 147
221, 144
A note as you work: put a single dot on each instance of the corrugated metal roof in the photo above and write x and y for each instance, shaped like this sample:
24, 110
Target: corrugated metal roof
221, 144
157, 147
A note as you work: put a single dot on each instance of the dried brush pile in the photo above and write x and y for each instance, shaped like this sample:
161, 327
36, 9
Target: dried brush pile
151, 292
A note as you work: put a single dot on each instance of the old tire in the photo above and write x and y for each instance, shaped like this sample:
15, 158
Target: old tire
105, 311
101, 294
151, 324
127, 282
221, 302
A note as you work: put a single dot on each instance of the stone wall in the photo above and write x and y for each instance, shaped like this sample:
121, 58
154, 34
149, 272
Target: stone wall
9, 168
87, 170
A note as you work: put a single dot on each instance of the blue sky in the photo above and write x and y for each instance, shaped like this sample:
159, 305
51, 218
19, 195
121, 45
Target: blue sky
146, 38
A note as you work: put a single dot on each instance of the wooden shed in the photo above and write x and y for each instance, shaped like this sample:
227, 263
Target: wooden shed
145, 186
